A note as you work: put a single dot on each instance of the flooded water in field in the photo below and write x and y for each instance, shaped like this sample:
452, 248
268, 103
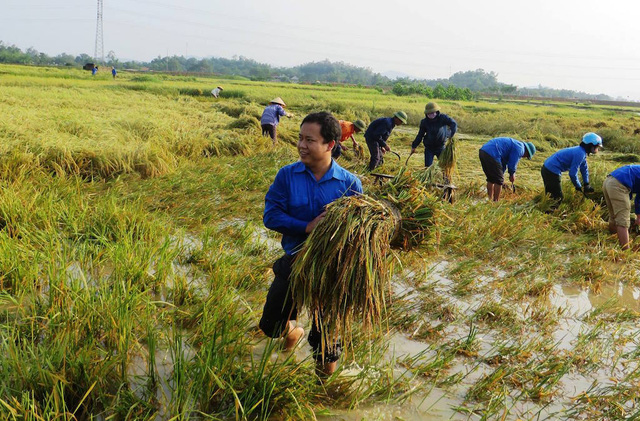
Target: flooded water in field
572, 304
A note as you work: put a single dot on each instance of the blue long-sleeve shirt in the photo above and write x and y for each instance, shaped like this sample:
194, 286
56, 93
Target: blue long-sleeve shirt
430, 128
507, 151
570, 159
295, 198
271, 114
629, 176
379, 131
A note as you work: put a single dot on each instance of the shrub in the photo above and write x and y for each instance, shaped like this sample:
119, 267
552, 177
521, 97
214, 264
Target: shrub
233, 93
144, 78
190, 91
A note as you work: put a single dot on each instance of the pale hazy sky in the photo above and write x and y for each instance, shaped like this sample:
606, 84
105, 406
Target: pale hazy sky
585, 45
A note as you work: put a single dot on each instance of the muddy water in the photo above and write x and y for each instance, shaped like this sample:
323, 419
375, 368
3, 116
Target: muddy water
434, 404
572, 303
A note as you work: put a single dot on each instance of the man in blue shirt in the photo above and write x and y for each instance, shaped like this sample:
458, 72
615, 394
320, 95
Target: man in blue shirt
294, 205
271, 117
570, 159
618, 188
434, 131
499, 154
377, 134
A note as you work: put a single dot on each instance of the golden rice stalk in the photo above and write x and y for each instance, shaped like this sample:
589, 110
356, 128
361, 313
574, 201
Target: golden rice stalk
448, 159
342, 272
343, 269
412, 197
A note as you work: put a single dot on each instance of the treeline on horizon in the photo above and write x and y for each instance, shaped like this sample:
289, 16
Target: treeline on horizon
460, 86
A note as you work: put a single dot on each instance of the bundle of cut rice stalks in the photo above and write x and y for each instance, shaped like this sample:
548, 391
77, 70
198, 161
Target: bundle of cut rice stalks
448, 159
411, 195
342, 272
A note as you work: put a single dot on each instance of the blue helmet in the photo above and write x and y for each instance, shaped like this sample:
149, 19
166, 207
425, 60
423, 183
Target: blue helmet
592, 139
530, 147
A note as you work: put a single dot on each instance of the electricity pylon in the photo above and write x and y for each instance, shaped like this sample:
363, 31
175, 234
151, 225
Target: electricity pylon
99, 50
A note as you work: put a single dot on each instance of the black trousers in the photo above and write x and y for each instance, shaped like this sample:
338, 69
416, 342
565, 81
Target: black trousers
279, 309
336, 151
552, 184
492, 168
269, 130
376, 155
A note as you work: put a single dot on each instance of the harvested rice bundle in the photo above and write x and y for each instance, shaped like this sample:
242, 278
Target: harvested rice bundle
358, 151
448, 159
343, 270
410, 196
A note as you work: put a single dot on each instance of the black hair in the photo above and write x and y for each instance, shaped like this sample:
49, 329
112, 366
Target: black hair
589, 147
329, 126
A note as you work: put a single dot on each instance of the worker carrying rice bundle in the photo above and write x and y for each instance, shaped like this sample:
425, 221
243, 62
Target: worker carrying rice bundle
342, 274
498, 155
570, 160
294, 205
434, 131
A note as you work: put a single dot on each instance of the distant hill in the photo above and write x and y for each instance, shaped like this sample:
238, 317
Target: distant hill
392, 74
477, 81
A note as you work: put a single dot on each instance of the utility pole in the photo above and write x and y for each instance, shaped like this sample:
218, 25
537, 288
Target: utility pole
99, 49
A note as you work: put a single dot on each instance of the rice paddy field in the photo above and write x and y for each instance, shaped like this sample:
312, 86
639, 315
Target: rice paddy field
134, 264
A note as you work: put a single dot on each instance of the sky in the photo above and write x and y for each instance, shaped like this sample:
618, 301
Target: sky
583, 45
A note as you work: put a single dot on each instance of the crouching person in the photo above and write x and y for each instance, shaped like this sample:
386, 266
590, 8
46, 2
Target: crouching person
294, 205
618, 188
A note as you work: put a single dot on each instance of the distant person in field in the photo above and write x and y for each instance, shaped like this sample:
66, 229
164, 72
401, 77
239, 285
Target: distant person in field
216, 91
571, 160
294, 205
271, 117
113, 72
94, 70
434, 131
377, 135
498, 155
348, 130
618, 188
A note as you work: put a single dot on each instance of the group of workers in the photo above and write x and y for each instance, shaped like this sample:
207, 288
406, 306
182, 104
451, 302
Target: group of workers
114, 72
502, 153
295, 202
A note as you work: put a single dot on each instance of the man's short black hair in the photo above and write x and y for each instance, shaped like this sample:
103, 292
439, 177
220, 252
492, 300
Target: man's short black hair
329, 126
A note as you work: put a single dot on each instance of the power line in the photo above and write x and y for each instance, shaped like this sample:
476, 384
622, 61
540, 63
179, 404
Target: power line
422, 48
334, 47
